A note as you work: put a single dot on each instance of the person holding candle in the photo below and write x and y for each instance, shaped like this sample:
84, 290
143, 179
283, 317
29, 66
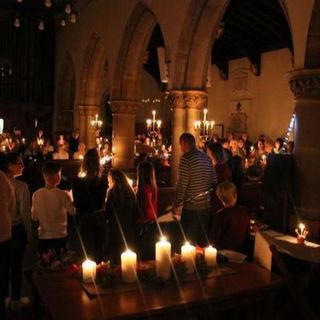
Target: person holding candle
147, 197
196, 178
89, 193
122, 213
50, 206
230, 226
21, 227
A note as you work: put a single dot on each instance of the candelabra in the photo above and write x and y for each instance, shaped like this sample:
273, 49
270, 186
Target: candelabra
97, 124
153, 127
204, 128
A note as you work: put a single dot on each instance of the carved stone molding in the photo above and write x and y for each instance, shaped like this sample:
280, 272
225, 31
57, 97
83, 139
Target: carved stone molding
195, 99
88, 111
125, 106
305, 83
191, 99
176, 99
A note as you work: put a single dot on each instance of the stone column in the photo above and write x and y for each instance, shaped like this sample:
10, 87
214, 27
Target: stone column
87, 132
195, 101
305, 85
178, 127
124, 116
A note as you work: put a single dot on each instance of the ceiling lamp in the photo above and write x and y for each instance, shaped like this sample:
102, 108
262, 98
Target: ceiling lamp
41, 25
17, 22
67, 8
48, 3
19, 1
73, 17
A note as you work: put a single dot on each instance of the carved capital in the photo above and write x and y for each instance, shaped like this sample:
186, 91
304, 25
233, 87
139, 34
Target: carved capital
125, 106
195, 99
176, 99
305, 83
89, 111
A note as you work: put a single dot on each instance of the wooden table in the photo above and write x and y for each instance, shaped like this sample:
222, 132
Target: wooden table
64, 298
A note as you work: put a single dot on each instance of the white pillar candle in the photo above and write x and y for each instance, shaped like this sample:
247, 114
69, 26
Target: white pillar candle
88, 271
210, 256
1, 126
188, 255
163, 258
128, 266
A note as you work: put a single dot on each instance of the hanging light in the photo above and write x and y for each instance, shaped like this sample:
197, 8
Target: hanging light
63, 22
17, 22
19, 1
73, 17
67, 8
48, 3
41, 25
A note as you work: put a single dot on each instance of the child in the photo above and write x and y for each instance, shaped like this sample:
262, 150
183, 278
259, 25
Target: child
231, 225
50, 206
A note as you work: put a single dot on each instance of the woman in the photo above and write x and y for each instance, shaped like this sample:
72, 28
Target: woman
122, 213
147, 196
21, 228
89, 192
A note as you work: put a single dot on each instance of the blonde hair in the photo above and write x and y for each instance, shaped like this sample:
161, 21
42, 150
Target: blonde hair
226, 192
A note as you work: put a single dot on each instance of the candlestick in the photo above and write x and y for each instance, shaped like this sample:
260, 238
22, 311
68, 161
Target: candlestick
210, 256
188, 255
128, 266
163, 259
88, 271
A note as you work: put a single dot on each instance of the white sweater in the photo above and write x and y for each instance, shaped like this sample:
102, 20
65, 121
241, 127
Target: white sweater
50, 208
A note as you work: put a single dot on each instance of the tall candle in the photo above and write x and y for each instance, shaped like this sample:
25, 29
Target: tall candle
188, 255
88, 271
210, 256
1, 125
128, 266
163, 257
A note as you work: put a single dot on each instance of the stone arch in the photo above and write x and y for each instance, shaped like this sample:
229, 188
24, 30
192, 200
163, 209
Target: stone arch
312, 59
135, 40
195, 43
94, 73
66, 87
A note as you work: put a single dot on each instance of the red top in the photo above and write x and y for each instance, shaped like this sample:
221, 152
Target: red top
230, 228
149, 208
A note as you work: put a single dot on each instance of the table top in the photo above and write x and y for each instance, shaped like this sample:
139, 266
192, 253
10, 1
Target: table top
64, 298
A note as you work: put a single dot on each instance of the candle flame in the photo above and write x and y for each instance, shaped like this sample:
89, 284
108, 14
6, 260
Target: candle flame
302, 226
163, 239
187, 243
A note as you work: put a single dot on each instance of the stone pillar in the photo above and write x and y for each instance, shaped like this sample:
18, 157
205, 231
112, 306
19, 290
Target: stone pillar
195, 101
124, 116
87, 132
305, 85
178, 127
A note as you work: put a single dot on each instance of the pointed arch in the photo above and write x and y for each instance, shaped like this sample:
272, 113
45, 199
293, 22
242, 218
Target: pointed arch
196, 42
66, 87
135, 40
312, 59
94, 76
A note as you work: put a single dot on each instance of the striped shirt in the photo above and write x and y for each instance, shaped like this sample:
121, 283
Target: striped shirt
196, 175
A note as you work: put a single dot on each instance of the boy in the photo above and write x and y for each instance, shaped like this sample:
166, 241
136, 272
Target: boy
50, 206
231, 225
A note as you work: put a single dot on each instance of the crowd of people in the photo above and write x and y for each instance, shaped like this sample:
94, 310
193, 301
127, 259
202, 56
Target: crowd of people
111, 215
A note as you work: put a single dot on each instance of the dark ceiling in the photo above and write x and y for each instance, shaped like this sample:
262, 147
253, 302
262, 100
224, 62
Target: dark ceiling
249, 28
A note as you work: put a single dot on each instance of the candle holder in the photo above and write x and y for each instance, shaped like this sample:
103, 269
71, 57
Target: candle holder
204, 128
302, 233
97, 124
153, 128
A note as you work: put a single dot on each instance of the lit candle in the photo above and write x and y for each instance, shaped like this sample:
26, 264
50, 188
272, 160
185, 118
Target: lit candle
130, 181
210, 256
1, 126
88, 271
212, 124
128, 266
163, 256
149, 121
35, 122
188, 255
23, 140
159, 122
205, 111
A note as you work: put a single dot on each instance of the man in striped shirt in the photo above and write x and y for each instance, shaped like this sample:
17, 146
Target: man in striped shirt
196, 178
